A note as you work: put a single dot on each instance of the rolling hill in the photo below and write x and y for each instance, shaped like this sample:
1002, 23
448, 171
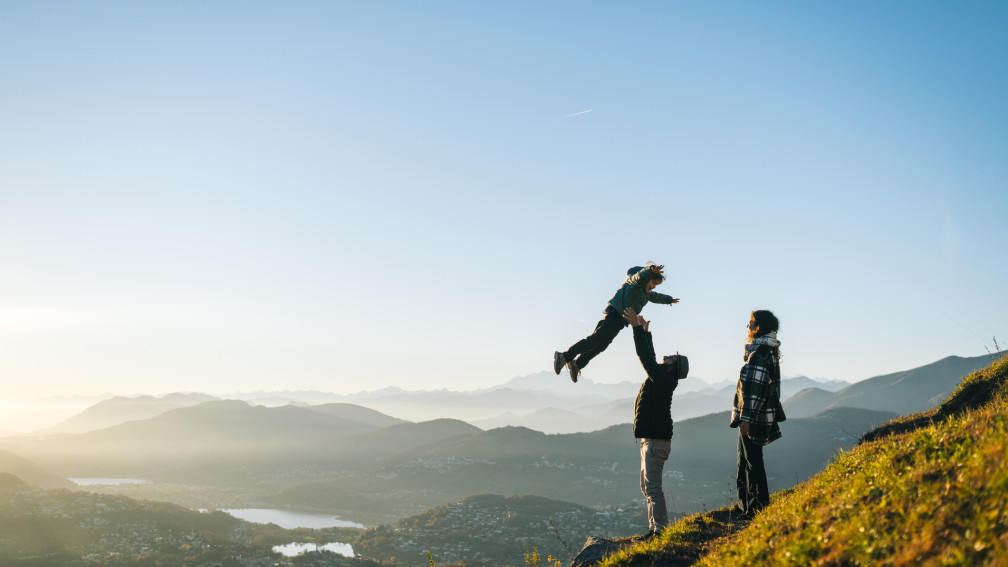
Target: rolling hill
120, 409
901, 392
591, 469
224, 434
31, 473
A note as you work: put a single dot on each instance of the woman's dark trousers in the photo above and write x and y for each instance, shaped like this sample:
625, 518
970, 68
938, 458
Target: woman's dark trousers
592, 345
751, 481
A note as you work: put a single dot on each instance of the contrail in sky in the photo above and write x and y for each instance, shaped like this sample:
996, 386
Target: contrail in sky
579, 113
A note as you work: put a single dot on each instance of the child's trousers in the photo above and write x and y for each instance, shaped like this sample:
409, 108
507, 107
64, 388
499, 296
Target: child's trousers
593, 345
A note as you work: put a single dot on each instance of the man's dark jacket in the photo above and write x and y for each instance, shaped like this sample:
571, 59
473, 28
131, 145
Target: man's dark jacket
652, 410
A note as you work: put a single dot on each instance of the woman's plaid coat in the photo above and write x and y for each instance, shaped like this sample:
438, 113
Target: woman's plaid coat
757, 397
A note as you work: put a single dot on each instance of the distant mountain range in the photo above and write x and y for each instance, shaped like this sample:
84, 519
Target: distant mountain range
552, 404
540, 401
207, 434
121, 409
901, 392
347, 458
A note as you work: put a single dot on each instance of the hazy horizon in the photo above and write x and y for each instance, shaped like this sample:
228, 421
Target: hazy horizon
14, 413
32, 415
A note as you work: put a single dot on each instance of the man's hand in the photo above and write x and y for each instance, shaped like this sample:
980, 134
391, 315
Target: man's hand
744, 428
657, 268
675, 300
634, 319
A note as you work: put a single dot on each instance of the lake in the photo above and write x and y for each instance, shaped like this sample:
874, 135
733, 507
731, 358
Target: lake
106, 481
290, 520
283, 518
292, 549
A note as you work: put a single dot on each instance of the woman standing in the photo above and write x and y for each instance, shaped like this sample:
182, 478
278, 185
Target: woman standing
757, 410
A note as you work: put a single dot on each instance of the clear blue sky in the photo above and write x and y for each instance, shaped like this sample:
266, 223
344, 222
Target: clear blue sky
222, 196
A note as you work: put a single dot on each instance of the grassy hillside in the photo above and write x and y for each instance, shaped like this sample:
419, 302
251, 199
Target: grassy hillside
926, 489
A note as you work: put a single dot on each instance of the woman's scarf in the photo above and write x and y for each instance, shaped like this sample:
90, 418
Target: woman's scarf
769, 339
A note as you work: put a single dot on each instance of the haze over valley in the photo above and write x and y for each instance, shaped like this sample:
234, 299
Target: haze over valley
369, 474
342, 458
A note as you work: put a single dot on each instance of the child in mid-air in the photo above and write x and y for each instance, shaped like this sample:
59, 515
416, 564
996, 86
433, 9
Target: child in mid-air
635, 293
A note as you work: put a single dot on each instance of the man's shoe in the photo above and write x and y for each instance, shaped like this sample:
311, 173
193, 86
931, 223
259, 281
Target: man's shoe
737, 512
643, 537
574, 370
558, 362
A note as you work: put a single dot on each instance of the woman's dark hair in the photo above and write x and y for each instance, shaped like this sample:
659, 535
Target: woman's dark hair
765, 322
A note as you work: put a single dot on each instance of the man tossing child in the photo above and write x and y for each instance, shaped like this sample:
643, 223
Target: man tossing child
635, 293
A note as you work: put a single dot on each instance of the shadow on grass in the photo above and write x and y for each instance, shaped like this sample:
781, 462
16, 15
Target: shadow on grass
680, 545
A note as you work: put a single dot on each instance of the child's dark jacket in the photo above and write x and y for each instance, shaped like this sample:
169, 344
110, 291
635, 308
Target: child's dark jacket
652, 409
633, 293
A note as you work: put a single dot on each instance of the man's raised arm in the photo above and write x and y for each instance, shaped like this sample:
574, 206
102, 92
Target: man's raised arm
642, 341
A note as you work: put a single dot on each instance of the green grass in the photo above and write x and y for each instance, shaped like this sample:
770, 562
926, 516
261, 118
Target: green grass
927, 489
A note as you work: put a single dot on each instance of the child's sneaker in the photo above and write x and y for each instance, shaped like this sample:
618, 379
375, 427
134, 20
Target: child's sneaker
574, 370
558, 362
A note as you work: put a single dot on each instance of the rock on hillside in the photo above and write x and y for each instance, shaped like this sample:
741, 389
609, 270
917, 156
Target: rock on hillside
595, 550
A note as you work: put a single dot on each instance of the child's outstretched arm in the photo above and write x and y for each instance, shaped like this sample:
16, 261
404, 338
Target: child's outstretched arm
655, 297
